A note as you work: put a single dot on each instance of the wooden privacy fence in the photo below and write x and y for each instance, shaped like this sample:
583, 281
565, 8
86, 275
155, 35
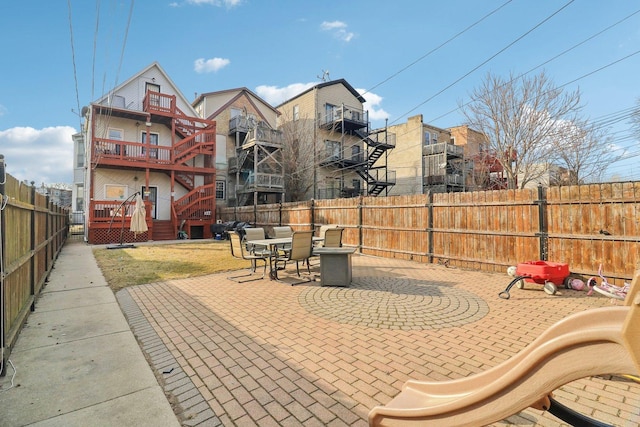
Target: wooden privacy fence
584, 226
32, 232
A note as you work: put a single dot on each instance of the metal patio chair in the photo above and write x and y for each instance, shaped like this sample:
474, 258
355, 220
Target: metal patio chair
238, 251
300, 251
254, 234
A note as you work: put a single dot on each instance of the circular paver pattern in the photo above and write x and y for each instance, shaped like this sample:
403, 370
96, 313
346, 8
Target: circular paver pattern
395, 303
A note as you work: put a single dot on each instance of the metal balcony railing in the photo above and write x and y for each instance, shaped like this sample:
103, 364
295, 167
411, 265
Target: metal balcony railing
449, 179
329, 155
382, 176
346, 113
442, 147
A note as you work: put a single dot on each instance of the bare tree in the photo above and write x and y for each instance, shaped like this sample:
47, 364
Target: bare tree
297, 157
584, 151
519, 117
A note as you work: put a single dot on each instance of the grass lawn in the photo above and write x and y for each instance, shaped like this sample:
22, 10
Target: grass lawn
156, 263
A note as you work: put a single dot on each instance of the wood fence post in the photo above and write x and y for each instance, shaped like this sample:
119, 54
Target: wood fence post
313, 215
33, 243
3, 356
543, 225
360, 242
430, 226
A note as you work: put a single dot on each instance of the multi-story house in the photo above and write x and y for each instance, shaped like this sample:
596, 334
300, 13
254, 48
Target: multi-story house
425, 159
330, 151
144, 136
483, 171
77, 188
249, 163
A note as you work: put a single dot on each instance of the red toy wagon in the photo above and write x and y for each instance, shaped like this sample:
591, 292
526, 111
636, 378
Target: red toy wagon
549, 274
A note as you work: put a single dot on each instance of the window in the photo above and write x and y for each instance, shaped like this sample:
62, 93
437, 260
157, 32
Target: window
115, 192
80, 155
296, 112
151, 87
116, 134
220, 187
79, 197
355, 153
332, 150
153, 140
153, 99
235, 112
329, 113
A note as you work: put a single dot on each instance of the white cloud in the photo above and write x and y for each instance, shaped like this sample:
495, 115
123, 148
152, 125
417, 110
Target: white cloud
333, 25
39, 155
277, 95
338, 29
202, 65
376, 113
226, 3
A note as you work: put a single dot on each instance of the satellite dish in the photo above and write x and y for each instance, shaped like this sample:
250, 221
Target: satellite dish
84, 111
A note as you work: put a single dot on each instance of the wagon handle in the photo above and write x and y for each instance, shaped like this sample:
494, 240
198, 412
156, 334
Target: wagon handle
505, 294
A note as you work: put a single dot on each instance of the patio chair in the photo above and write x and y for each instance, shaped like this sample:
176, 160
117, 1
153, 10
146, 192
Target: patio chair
593, 342
282, 231
254, 234
332, 239
238, 251
301, 247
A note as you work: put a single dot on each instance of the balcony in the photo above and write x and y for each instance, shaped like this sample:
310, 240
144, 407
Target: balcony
381, 176
159, 103
344, 118
263, 135
450, 179
443, 147
340, 158
106, 151
262, 182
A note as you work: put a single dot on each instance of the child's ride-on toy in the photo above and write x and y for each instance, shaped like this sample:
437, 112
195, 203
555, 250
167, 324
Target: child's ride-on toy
549, 274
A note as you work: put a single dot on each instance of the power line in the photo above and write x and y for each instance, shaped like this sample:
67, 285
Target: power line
124, 43
487, 60
95, 42
564, 52
73, 59
437, 48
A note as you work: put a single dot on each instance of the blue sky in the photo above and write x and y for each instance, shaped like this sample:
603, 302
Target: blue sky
397, 51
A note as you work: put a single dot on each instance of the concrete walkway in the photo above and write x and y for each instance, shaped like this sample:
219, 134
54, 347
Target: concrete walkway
266, 354
76, 361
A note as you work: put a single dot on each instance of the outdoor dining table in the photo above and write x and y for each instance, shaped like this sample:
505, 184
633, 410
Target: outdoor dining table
273, 244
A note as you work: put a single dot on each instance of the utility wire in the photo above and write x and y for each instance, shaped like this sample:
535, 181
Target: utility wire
487, 60
73, 59
437, 48
95, 42
549, 60
124, 43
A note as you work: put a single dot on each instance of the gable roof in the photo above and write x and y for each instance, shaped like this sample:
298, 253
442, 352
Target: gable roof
240, 91
140, 73
325, 84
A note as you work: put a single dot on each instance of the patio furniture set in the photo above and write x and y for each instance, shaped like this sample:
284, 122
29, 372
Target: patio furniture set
288, 246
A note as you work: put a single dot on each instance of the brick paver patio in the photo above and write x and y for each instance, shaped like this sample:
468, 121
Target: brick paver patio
265, 353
